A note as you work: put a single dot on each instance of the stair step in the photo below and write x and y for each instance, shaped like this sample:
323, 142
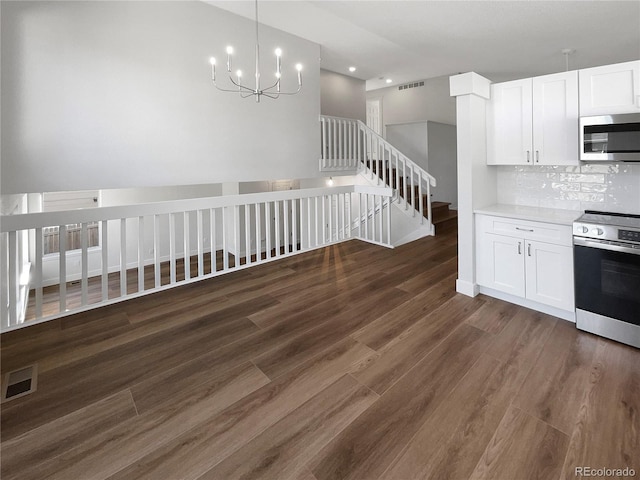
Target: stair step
450, 214
447, 224
435, 205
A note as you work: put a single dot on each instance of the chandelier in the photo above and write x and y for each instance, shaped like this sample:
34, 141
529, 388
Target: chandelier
245, 91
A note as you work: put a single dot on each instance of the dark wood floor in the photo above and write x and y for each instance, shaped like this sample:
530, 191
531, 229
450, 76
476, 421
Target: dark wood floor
351, 362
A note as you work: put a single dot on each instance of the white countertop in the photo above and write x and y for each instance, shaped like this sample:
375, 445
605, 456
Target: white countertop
535, 214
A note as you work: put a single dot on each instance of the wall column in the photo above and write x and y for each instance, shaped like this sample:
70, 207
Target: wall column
476, 180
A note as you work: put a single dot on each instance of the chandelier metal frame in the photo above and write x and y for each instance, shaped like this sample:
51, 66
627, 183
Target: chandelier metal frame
272, 91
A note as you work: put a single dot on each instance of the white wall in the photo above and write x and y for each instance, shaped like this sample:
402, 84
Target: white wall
442, 154
410, 139
429, 102
342, 96
432, 145
118, 94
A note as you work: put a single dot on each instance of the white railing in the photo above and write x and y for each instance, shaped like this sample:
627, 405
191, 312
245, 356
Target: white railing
218, 234
349, 145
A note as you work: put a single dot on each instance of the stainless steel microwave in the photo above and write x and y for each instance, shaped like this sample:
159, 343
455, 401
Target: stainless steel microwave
610, 138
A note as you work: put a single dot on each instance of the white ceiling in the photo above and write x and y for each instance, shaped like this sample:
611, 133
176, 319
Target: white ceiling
415, 40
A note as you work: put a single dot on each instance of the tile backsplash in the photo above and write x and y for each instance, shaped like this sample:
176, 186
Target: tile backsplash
613, 187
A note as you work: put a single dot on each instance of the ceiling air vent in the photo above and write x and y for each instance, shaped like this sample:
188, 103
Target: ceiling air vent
411, 85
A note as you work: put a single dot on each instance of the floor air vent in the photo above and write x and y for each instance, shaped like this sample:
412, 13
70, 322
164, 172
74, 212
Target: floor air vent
19, 383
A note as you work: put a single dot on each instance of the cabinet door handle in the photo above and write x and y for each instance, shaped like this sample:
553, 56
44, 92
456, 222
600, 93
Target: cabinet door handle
519, 248
537, 156
529, 249
528, 156
524, 229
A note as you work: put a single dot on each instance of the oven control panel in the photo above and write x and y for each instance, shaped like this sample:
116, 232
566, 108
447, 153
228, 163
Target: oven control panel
629, 235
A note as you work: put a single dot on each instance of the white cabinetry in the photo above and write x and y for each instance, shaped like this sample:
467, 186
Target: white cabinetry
610, 89
531, 260
534, 121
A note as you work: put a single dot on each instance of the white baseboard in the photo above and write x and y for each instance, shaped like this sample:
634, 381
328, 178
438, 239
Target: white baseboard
523, 302
469, 289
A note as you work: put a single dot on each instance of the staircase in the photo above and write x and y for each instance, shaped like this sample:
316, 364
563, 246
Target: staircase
443, 218
348, 145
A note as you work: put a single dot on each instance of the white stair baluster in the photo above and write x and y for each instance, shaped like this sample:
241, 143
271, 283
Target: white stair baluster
157, 272
123, 257
200, 237
62, 249
84, 282
105, 261
37, 274
140, 254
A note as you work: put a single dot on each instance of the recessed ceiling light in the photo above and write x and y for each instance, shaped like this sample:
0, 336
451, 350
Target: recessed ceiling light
388, 80
352, 69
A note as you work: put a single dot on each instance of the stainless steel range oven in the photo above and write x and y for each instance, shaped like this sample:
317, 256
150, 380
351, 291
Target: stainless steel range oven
606, 248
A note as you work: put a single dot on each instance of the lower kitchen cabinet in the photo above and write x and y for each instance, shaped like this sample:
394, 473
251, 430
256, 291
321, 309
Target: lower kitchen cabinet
549, 274
530, 260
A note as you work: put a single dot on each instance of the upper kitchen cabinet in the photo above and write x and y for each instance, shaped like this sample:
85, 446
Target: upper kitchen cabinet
534, 121
610, 89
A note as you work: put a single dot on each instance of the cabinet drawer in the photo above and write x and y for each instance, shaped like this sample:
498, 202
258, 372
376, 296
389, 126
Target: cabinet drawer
543, 232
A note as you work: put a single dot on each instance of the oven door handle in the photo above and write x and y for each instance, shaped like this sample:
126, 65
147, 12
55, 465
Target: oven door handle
606, 245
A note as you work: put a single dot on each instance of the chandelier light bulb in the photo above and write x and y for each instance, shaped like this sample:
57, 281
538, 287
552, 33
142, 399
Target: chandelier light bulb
299, 67
212, 61
278, 75
278, 52
239, 74
229, 50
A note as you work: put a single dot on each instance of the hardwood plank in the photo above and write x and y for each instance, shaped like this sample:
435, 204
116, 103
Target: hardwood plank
400, 355
439, 271
384, 329
453, 439
557, 380
104, 454
62, 434
523, 447
303, 474
75, 332
88, 380
221, 292
285, 357
298, 297
607, 430
210, 365
180, 384
282, 449
198, 450
528, 329
370, 443
493, 316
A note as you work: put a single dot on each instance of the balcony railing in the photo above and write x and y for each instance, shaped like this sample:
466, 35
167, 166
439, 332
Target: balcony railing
150, 247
